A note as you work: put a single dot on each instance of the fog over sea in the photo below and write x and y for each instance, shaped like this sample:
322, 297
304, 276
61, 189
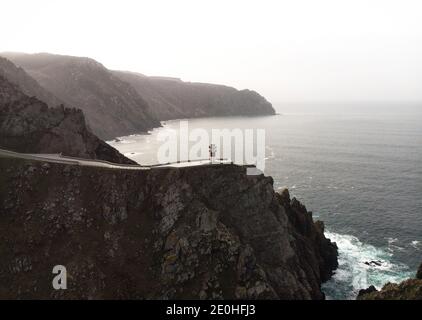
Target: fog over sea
357, 167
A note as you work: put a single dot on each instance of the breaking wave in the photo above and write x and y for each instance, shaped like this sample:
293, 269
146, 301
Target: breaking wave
361, 265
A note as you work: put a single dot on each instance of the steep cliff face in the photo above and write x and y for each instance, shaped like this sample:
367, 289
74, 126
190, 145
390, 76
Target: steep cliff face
111, 106
199, 232
172, 98
26, 83
28, 125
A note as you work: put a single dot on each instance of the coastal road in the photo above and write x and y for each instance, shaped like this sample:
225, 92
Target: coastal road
58, 158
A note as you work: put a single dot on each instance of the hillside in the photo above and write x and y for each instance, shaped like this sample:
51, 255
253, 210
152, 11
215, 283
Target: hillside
28, 125
26, 83
171, 98
118, 103
111, 106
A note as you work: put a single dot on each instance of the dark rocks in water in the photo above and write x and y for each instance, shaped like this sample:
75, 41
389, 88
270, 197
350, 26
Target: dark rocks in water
156, 234
374, 263
366, 291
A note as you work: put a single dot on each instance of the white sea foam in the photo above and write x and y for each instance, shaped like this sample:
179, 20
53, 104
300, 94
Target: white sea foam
127, 141
361, 265
118, 141
416, 244
392, 246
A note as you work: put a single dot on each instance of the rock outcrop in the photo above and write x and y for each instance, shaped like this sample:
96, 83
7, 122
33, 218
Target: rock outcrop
368, 290
410, 289
207, 232
28, 125
111, 106
171, 98
419, 273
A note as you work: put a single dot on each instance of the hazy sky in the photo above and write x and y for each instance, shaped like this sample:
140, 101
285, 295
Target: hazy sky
286, 50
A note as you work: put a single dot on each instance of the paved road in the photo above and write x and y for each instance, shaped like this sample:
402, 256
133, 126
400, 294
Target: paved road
58, 158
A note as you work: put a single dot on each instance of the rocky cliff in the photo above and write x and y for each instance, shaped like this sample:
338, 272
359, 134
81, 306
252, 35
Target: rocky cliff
111, 106
28, 125
118, 103
162, 233
171, 98
26, 83
410, 289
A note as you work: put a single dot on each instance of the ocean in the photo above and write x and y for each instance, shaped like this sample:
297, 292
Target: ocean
357, 167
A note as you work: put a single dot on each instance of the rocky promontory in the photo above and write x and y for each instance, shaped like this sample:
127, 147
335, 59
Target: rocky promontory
209, 232
172, 98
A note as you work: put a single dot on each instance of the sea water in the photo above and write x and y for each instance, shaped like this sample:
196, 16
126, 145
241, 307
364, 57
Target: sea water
357, 167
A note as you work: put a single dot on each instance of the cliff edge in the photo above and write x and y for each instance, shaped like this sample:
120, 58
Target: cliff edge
206, 232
